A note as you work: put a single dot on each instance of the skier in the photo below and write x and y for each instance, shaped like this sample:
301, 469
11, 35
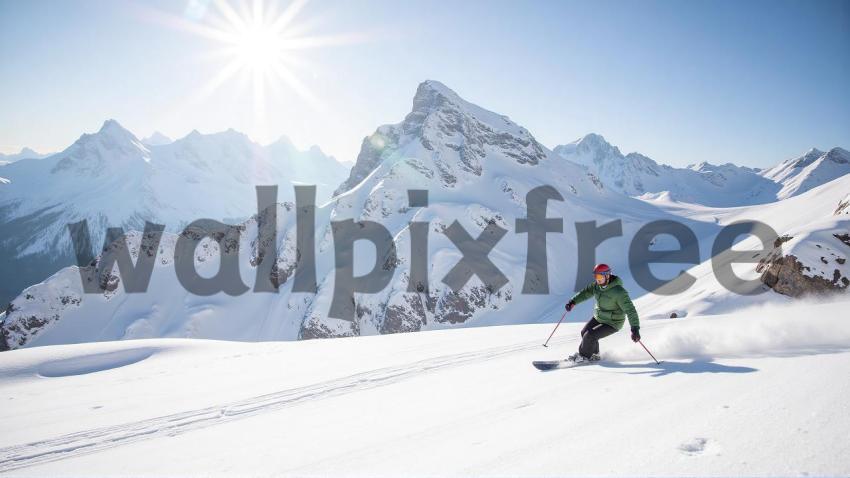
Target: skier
612, 305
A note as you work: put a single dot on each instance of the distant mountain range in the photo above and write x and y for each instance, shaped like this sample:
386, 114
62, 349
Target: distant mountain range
111, 178
723, 185
25, 153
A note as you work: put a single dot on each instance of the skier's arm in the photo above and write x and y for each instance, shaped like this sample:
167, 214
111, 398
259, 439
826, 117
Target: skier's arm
625, 303
583, 294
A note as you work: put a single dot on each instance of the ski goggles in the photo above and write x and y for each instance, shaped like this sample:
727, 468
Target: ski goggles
601, 275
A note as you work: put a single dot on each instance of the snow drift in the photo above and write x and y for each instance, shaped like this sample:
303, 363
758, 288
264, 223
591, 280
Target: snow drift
806, 327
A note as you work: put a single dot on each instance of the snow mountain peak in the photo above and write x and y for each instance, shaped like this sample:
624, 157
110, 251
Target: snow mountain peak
597, 144
448, 136
157, 139
431, 88
808, 158
813, 168
92, 154
113, 132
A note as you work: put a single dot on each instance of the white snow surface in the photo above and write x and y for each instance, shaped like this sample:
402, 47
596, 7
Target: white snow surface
760, 391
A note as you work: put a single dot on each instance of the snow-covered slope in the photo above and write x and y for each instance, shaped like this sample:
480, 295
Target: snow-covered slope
111, 179
798, 175
759, 392
808, 256
477, 166
725, 185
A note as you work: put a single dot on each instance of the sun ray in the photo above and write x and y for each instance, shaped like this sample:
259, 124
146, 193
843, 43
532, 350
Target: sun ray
182, 24
285, 18
258, 43
297, 86
237, 23
301, 43
225, 74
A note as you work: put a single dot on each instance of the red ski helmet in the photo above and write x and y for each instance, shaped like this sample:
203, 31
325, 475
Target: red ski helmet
601, 269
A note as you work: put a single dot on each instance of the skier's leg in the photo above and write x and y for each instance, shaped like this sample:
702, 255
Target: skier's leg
590, 340
589, 325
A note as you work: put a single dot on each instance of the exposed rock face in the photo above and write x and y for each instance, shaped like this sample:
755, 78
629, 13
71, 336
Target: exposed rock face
843, 206
787, 275
41, 305
406, 317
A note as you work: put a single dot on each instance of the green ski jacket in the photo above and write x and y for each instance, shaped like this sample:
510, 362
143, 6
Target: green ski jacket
612, 303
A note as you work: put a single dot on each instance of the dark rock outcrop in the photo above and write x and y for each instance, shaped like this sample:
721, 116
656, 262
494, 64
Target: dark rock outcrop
787, 275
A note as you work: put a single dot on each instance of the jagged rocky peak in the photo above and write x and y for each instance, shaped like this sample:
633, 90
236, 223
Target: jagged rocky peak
449, 131
597, 142
111, 130
92, 152
591, 149
110, 136
440, 116
433, 97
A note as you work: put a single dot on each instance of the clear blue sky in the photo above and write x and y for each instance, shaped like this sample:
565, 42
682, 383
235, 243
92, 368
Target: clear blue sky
749, 82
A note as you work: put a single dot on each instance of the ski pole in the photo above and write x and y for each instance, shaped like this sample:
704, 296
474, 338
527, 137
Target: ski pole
553, 330
650, 353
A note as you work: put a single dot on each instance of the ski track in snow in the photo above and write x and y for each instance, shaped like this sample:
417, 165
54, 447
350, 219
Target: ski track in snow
92, 441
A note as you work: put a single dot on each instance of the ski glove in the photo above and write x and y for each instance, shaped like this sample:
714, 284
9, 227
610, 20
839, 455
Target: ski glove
635, 334
570, 306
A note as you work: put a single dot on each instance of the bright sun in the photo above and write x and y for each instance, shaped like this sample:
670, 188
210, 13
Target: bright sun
260, 41
258, 48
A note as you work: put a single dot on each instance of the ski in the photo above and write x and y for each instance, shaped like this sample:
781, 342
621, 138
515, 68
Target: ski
553, 364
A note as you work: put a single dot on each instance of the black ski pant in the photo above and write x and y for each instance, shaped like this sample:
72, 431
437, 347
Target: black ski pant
590, 335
